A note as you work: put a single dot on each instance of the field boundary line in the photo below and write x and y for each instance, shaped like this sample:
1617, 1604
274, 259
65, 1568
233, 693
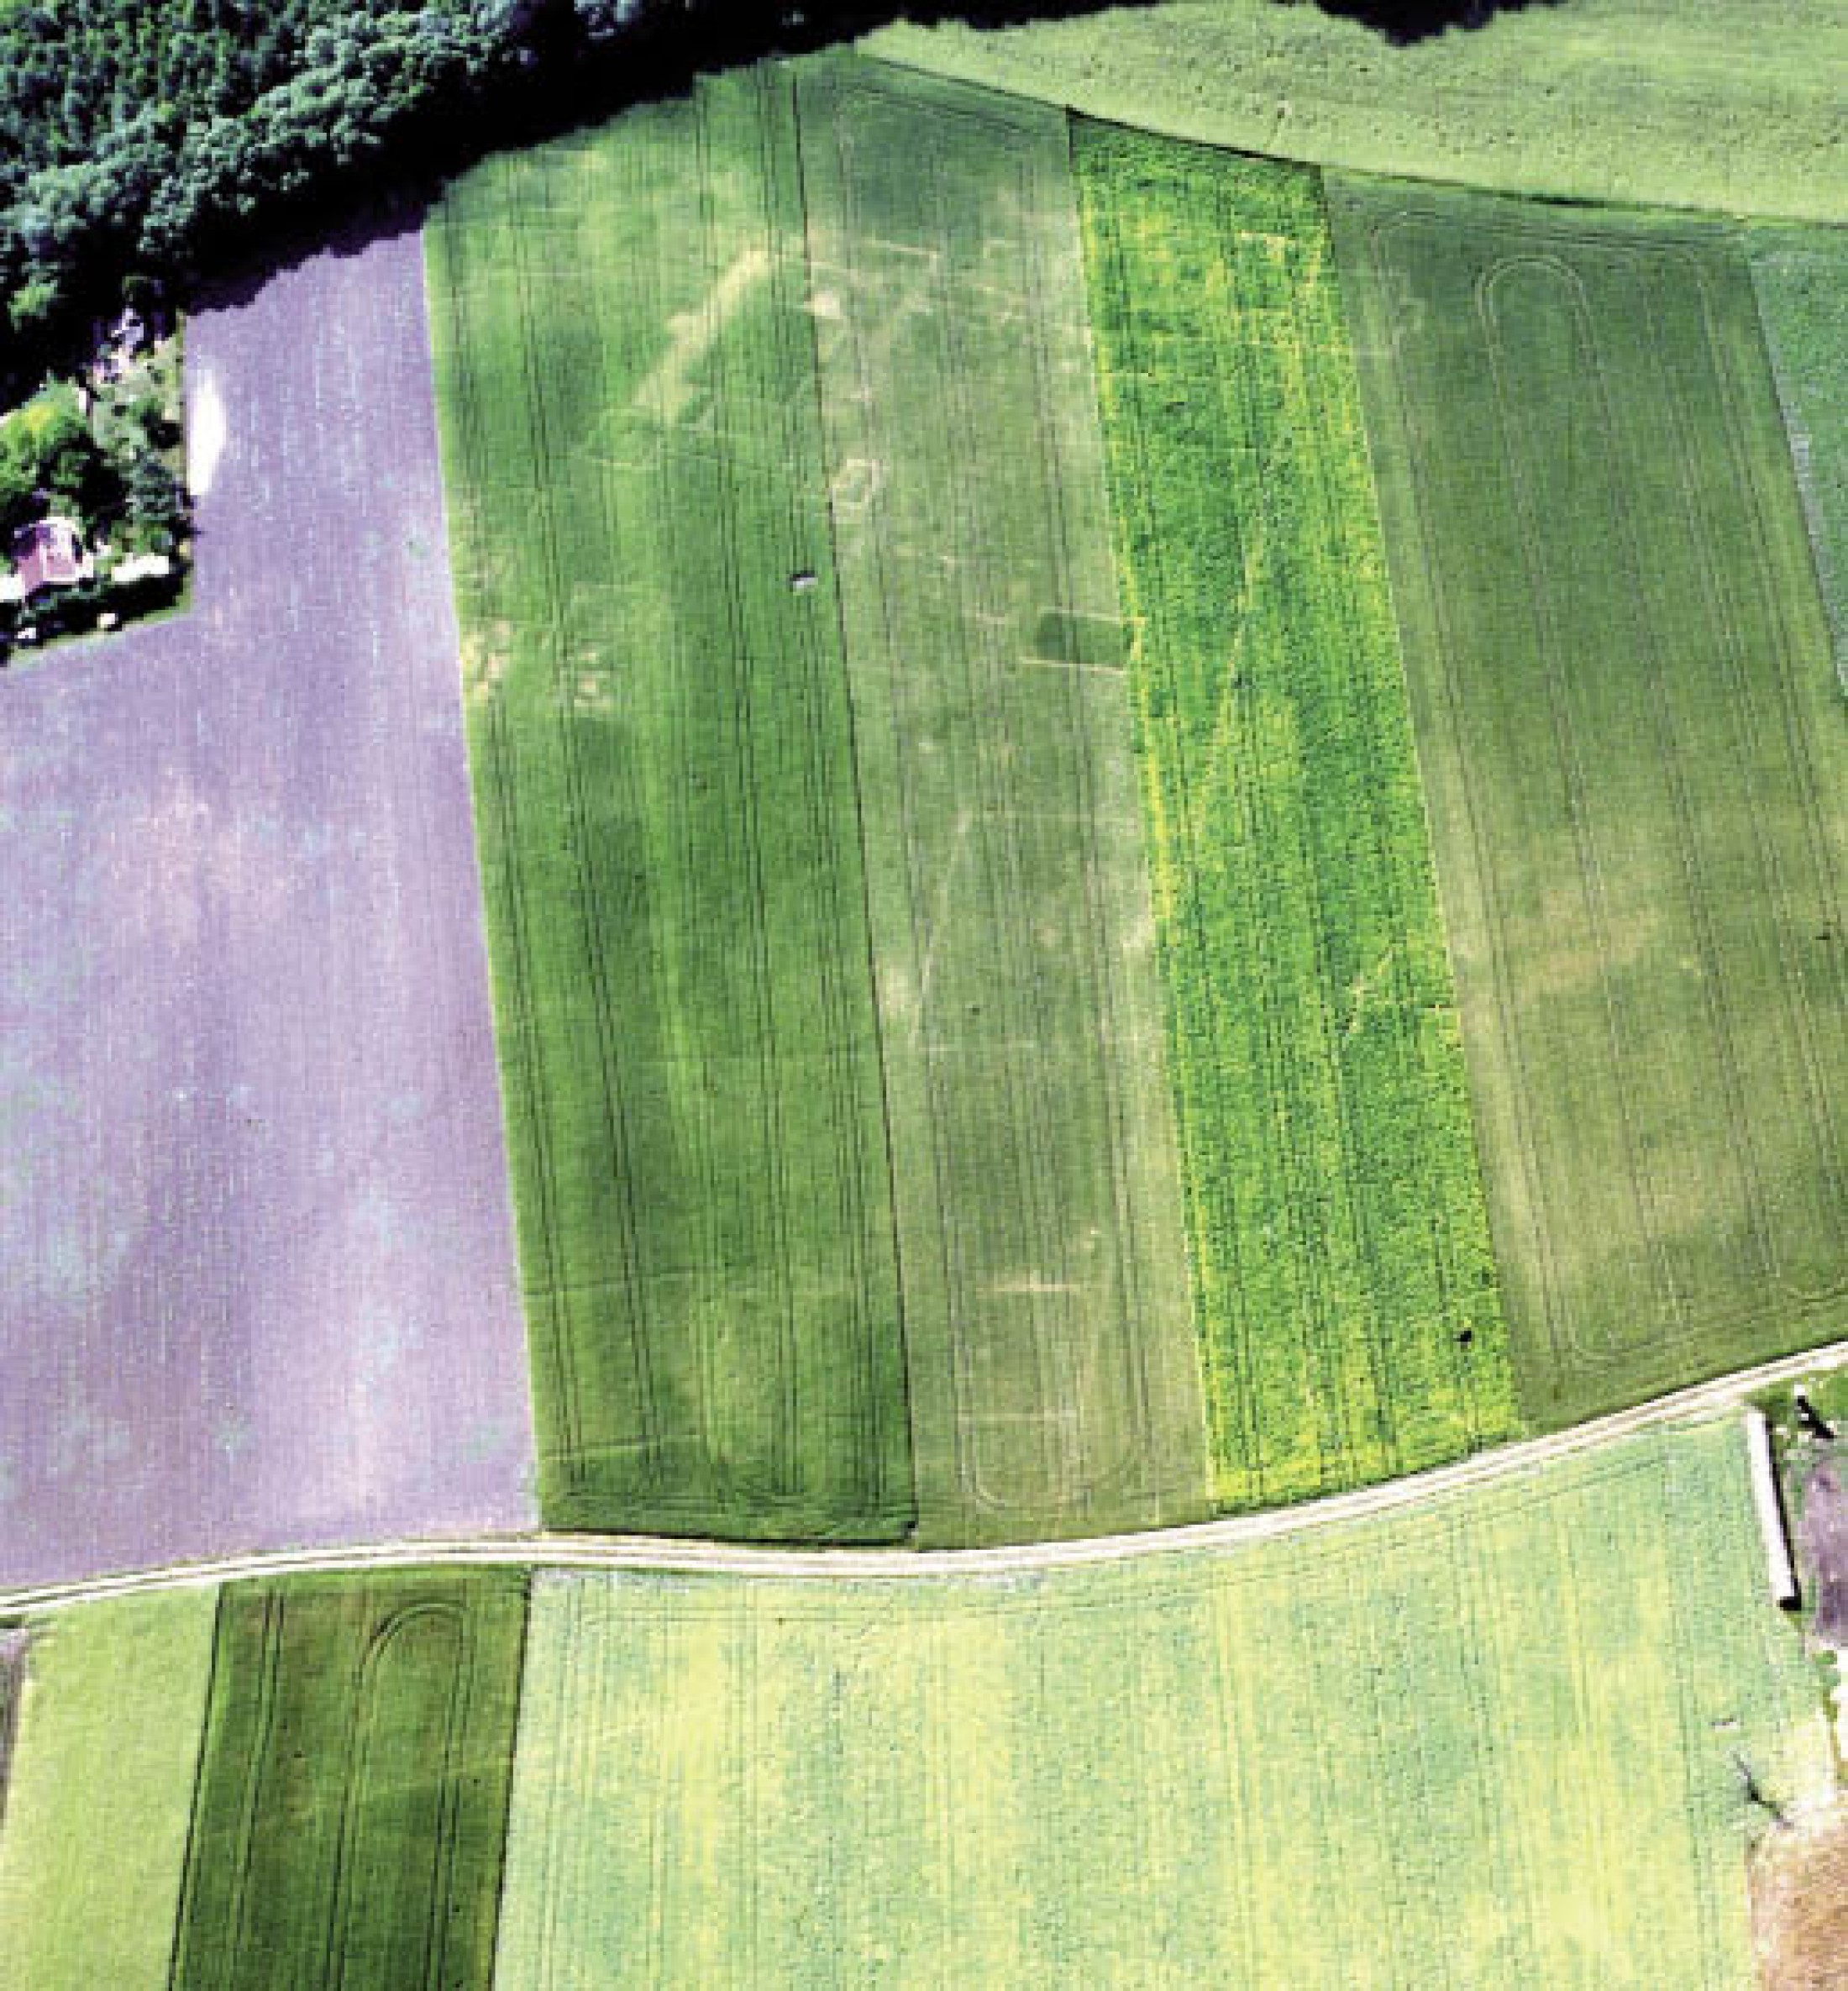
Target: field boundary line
640, 1554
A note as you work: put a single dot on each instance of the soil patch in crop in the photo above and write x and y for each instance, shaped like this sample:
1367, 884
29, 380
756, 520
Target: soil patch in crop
1799, 1904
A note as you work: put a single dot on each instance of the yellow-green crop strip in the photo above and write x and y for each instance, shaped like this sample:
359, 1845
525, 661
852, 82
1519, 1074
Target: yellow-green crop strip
1495, 1741
1343, 1283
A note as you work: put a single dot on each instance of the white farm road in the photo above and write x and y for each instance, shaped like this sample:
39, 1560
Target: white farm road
633, 1554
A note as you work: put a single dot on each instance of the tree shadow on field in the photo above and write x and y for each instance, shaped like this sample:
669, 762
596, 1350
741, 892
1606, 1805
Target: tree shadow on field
1406, 21
661, 55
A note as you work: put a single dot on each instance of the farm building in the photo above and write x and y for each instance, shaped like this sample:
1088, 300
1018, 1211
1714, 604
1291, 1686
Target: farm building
48, 553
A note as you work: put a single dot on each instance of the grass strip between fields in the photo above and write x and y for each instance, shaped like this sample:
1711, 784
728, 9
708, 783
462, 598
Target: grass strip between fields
1801, 279
1503, 1731
1343, 1283
99, 1798
351, 1808
1635, 751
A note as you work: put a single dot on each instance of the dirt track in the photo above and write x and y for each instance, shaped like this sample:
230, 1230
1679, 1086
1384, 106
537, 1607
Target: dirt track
650, 1552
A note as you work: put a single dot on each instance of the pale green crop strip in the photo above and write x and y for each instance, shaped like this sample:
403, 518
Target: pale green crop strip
1801, 279
1493, 1742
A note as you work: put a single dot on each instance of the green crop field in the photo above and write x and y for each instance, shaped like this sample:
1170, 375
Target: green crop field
1342, 1275
827, 1004
1494, 1741
98, 1804
1736, 107
352, 1796
1635, 753
668, 815
1801, 277
1053, 1379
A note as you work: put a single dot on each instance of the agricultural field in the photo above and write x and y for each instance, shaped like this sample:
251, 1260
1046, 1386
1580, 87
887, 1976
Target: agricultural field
1344, 1758
1655, 101
258, 1284
1054, 1385
93, 1840
1636, 759
824, 968
13, 1659
1343, 1283
1801, 278
352, 1791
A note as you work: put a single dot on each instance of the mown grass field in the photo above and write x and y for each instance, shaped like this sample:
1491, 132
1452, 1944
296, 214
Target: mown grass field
1343, 1283
1493, 1742
1636, 757
824, 965
93, 1840
351, 1806
1737, 109
1801, 279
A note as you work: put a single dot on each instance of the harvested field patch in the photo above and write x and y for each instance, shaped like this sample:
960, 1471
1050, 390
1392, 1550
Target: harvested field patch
1636, 758
101, 1794
1327, 1761
352, 1795
823, 957
1737, 109
1343, 1286
258, 1287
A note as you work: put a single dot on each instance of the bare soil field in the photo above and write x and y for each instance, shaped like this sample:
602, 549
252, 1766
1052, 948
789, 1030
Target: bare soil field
1799, 1904
1822, 1536
256, 1281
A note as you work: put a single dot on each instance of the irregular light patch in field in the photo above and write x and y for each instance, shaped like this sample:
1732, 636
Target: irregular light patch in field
1344, 1289
101, 1795
1494, 1740
207, 430
256, 1281
1635, 753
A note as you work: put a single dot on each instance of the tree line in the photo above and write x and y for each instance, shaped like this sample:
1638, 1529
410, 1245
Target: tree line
145, 143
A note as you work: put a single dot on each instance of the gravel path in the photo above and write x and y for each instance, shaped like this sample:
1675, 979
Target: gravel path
613, 1553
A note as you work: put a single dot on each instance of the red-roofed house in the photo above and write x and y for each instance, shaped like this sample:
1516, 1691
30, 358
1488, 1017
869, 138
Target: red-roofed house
48, 553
